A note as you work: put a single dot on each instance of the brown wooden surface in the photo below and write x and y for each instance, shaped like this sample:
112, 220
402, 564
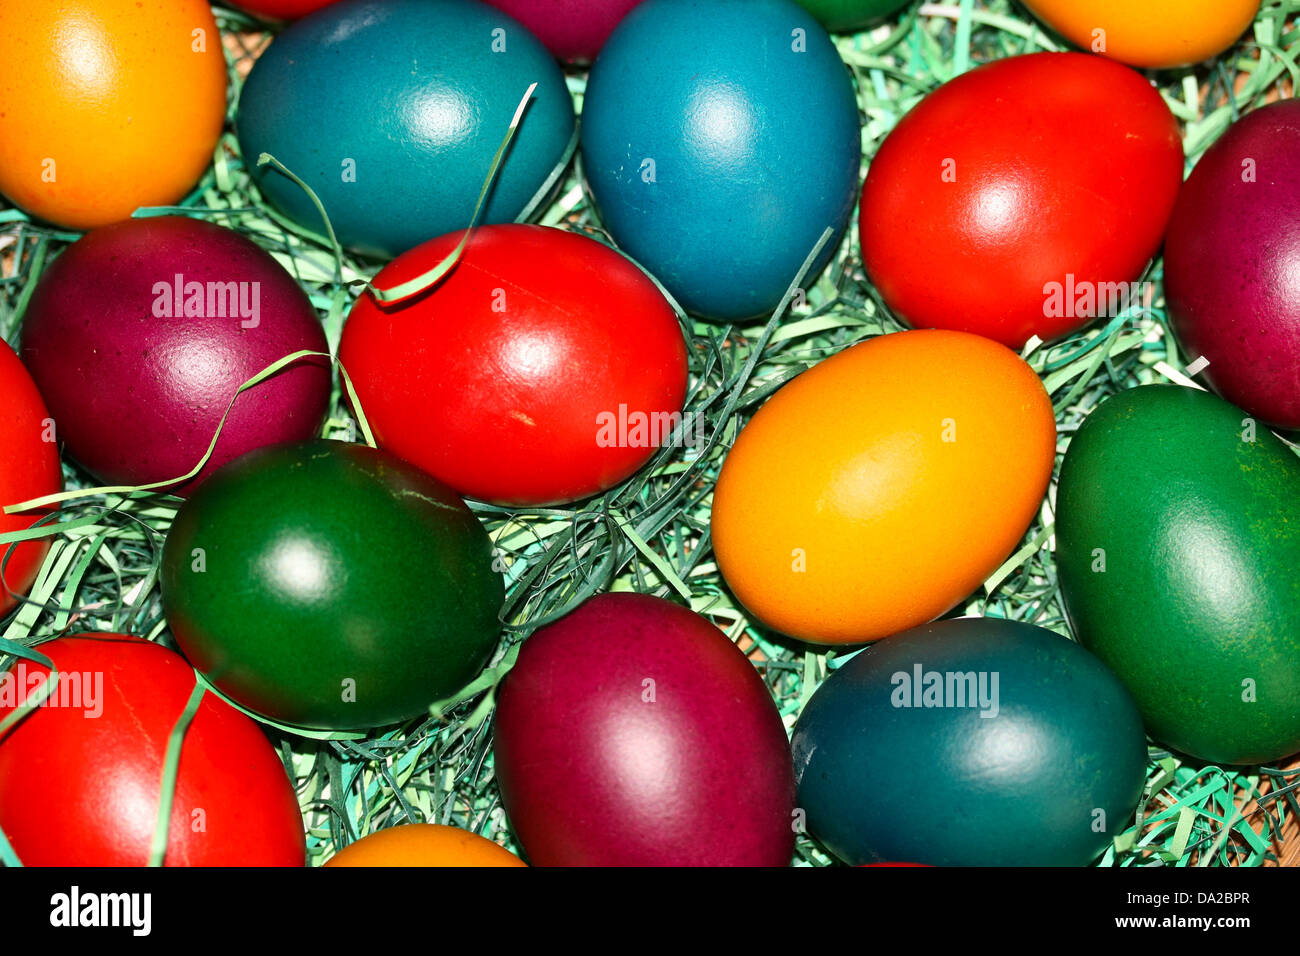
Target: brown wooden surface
1288, 849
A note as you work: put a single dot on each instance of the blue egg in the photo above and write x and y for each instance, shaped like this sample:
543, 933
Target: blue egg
970, 742
720, 138
391, 110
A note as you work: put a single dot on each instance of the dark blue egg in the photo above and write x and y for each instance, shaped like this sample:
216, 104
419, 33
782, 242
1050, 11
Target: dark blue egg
970, 742
720, 138
391, 110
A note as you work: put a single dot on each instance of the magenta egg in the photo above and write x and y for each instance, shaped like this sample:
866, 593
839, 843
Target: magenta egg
571, 29
1232, 264
140, 334
633, 732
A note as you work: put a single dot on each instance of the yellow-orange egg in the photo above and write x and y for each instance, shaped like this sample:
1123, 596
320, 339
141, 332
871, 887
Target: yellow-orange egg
106, 105
1149, 33
424, 844
881, 487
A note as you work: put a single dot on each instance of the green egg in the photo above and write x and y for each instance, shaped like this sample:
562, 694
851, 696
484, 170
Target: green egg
845, 16
1178, 546
330, 586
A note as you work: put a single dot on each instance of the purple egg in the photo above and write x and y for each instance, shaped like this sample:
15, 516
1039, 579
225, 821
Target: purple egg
571, 29
633, 733
1232, 264
141, 332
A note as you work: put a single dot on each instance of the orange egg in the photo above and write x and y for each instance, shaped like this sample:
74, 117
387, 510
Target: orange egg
106, 105
1149, 33
881, 487
424, 844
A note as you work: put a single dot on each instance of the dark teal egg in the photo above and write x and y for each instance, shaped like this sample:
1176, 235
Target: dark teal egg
391, 110
971, 742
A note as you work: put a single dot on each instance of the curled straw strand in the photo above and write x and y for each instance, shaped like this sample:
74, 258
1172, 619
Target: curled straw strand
171, 764
426, 280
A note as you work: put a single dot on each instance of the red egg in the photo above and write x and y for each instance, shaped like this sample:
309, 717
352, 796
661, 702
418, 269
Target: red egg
544, 368
571, 29
1232, 264
29, 468
80, 775
1022, 198
140, 333
632, 732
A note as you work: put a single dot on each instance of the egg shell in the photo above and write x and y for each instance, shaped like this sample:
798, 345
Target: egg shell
1014, 197
846, 16
1232, 264
423, 844
29, 468
136, 393
1177, 543
891, 480
1151, 34
107, 105
282, 9
498, 382
896, 760
330, 586
738, 196
632, 732
392, 110
571, 29
80, 776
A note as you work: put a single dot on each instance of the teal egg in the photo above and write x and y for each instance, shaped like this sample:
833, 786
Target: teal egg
391, 111
970, 742
720, 139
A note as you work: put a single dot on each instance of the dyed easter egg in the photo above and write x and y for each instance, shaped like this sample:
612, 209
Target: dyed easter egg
391, 110
282, 9
718, 165
80, 776
891, 479
633, 732
970, 742
1232, 264
140, 334
107, 105
330, 586
1177, 540
29, 468
1154, 33
846, 16
532, 374
423, 844
571, 29
1023, 198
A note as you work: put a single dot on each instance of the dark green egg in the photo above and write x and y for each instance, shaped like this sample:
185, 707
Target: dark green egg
970, 742
1178, 544
330, 586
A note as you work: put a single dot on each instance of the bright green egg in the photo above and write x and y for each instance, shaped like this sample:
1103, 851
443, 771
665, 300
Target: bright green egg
1178, 545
